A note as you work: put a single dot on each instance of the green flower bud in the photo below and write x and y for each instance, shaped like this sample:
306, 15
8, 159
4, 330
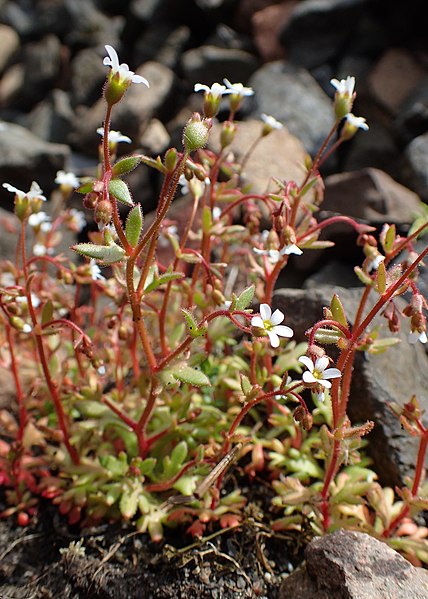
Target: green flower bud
196, 133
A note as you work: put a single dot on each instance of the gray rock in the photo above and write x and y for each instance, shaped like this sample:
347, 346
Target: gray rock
9, 43
416, 170
377, 380
52, 119
207, 64
354, 565
292, 96
376, 147
328, 24
41, 61
132, 114
25, 158
87, 77
412, 119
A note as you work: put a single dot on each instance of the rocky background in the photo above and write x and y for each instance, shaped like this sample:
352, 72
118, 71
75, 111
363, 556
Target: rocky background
51, 77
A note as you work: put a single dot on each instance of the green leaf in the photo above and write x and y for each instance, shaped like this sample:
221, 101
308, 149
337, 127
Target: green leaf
338, 310
363, 276
166, 277
189, 375
328, 336
92, 409
125, 165
128, 504
156, 164
47, 312
120, 191
246, 385
206, 220
87, 187
389, 238
381, 278
134, 224
245, 298
192, 325
178, 455
105, 253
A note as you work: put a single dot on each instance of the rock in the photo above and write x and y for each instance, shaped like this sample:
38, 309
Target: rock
89, 26
369, 195
162, 42
52, 119
377, 380
376, 147
412, 120
329, 24
132, 114
9, 43
280, 154
207, 64
87, 77
394, 77
155, 138
416, 169
10, 84
292, 96
25, 158
266, 25
354, 565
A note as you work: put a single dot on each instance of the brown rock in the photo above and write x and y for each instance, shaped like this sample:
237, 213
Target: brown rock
353, 565
395, 76
267, 24
9, 43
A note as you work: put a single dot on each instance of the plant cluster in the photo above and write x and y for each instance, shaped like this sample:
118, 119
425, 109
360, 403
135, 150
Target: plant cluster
139, 386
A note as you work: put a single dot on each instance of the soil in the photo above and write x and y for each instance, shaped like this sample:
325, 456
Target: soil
120, 563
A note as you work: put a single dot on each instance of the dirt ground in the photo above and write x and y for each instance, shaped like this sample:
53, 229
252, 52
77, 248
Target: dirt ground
118, 563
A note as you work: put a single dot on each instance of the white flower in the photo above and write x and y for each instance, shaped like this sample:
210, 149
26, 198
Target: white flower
225, 305
37, 218
270, 323
35, 192
27, 328
40, 250
114, 137
184, 184
216, 212
95, 271
271, 121
318, 372
344, 87
22, 299
359, 122
125, 75
415, 336
67, 179
375, 262
216, 91
291, 248
238, 89
77, 219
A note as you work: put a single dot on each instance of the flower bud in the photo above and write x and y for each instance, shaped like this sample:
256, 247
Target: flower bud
90, 200
170, 161
103, 212
227, 134
196, 133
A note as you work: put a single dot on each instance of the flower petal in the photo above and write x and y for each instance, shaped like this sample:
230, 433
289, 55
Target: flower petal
283, 331
273, 338
332, 373
307, 362
140, 79
324, 383
322, 363
308, 377
199, 87
265, 311
112, 59
277, 317
256, 321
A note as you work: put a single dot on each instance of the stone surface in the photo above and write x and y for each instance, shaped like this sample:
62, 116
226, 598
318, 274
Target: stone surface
9, 43
412, 120
207, 64
25, 157
329, 24
292, 96
280, 154
52, 118
416, 170
394, 77
267, 24
378, 380
353, 565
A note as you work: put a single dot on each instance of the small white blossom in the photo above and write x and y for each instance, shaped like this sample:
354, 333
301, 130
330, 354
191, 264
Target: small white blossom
271, 121
40, 250
101, 370
216, 91
38, 218
95, 271
344, 87
125, 75
114, 137
67, 179
270, 323
216, 213
375, 262
318, 372
27, 328
225, 305
273, 255
238, 89
22, 299
35, 192
357, 121
291, 248
416, 336
77, 219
